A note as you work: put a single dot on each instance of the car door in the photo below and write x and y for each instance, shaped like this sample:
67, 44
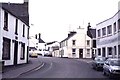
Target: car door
107, 65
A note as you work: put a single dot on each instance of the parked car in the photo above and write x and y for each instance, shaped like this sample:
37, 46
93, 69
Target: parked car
47, 54
33, 55
112, 67
98, 63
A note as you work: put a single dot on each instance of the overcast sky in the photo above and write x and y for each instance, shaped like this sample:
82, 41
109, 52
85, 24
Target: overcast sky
54, 18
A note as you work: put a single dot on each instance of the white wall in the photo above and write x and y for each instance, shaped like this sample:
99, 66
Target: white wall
11, 35
81, 43
108, 41
1, 33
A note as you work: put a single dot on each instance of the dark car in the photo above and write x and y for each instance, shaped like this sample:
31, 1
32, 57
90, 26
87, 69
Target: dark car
98, 63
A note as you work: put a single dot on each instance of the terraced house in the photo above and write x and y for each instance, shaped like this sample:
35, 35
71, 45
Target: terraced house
14, 33
108, 37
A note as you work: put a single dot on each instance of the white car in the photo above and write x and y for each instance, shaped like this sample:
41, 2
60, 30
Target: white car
111, 67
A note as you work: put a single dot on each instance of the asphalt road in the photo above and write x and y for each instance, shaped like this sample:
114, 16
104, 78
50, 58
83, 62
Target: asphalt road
64, 68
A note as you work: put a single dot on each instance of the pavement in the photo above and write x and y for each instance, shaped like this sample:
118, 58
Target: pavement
16, 71
87, 60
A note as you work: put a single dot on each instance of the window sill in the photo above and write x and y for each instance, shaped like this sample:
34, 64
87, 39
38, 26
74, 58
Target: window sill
21, 58
104, 36
5, 28
16, 33
6, 58
109, 35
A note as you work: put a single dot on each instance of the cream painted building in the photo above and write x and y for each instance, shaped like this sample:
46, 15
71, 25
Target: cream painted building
78, 44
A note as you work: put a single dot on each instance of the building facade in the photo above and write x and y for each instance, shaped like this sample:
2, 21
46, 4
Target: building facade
108, 37
37, 45
14, 33
78, 44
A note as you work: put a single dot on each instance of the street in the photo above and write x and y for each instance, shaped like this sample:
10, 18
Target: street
63, 68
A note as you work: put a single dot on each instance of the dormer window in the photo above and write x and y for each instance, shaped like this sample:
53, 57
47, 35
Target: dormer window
5, 21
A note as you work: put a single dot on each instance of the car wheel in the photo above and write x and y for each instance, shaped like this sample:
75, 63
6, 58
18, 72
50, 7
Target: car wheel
110, 75
104, 73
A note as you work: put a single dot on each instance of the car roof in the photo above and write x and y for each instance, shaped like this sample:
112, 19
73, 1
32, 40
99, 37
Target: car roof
113, 59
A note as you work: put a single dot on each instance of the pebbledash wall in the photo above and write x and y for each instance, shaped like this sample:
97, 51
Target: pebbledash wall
108, 37
19, 56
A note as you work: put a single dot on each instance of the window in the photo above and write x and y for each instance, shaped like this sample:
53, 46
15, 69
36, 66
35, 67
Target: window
73, 42
16, 27
22, 56
23, 30
5, 21
99, 33
36, 46
119, 50
109, 29
99, 51
109, 50
73, 51
115, 27
88, 42
104, 52
88, 51
119, 24
104, 31
115, 50
66, 43
6, 49
94, 43
28, 34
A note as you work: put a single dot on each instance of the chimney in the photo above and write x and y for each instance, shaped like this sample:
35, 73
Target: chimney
71, 33
88, 26
39, 36
36, 36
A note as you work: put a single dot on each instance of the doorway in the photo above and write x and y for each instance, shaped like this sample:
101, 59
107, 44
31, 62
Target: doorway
80, 53
15, 52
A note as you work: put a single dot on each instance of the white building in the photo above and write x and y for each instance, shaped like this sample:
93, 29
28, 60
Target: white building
52, 48
78, 44
37, 45
14, 33
108, 37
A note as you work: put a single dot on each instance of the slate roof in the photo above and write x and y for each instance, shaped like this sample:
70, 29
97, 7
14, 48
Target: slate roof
40, 40
49, 43
32, 48
20, 11
71, 34
91, 33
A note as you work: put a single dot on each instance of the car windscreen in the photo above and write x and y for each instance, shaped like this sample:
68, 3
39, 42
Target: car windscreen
115, 63
100, 59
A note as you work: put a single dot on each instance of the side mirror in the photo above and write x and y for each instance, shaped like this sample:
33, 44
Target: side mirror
107, 63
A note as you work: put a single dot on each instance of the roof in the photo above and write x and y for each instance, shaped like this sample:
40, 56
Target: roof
40, 40
49, 43
20, 11
32, 48
108, 18
71, 34
92, 33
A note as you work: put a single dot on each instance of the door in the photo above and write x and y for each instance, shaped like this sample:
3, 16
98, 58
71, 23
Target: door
15, 52
80, 53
